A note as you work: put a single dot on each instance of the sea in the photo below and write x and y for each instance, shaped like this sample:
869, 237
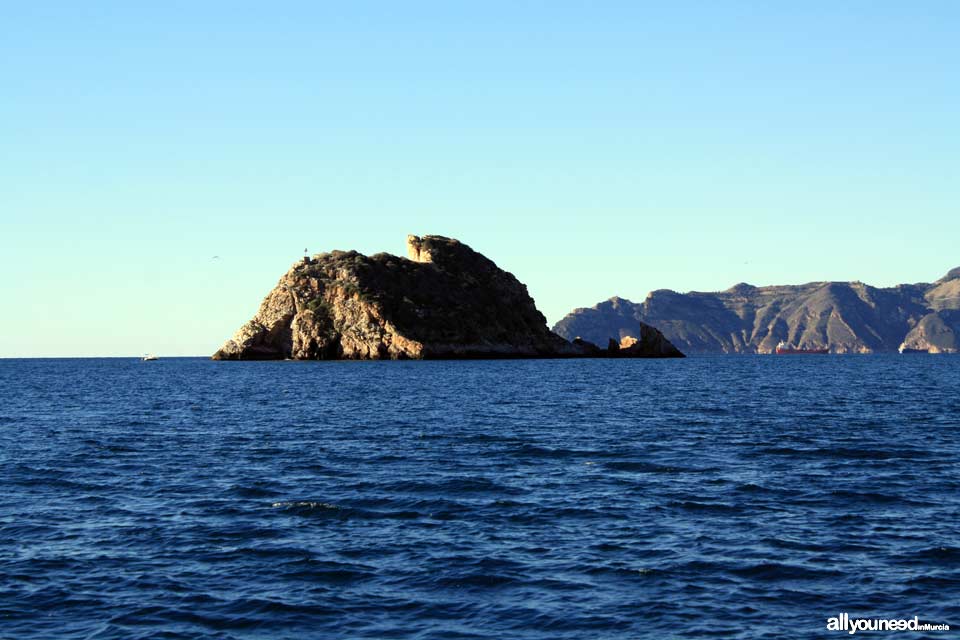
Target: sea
709, 497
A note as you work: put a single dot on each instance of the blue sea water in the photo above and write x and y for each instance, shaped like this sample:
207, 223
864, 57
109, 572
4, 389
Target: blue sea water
727, 497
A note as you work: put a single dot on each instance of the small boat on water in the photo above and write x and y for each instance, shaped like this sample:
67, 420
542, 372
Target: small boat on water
905, 349
148, 357
785, 349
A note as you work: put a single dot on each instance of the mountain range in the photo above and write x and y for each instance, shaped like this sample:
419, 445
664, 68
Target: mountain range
844, 317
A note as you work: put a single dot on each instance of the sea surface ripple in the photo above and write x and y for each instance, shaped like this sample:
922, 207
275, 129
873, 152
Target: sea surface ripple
727, 497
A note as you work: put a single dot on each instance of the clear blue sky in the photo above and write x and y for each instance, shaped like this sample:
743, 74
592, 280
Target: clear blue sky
593, 149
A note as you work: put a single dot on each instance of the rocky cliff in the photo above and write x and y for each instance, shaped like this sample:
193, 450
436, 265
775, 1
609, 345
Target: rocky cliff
846, 317
444, 301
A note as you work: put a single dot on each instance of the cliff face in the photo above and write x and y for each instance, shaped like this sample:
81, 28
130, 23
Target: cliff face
939, 330
846, 317
445, 301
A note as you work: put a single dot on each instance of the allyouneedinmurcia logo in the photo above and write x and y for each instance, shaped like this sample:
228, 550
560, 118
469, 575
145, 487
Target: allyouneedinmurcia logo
844, 622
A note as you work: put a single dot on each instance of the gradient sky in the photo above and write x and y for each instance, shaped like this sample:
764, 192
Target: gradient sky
593, 149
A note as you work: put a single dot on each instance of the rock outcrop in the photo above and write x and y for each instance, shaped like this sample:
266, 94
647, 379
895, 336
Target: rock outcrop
846, 317
939, 330
445, 301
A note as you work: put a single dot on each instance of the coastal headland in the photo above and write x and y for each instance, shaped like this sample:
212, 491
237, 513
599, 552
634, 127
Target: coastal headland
840, 317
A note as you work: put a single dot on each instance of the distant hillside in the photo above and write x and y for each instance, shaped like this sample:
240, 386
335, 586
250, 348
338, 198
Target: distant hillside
846, 317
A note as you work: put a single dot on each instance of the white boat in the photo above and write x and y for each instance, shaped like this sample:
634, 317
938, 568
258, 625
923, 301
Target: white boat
147, 357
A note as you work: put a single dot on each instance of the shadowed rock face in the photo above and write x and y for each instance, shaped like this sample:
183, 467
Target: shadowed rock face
446, 301
847, 317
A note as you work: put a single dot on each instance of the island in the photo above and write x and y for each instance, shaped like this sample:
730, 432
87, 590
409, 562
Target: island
444, 301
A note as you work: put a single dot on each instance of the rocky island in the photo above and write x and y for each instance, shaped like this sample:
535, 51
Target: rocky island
844, 317
444, 301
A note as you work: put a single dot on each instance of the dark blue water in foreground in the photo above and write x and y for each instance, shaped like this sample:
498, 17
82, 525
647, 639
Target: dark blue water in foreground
730, 497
